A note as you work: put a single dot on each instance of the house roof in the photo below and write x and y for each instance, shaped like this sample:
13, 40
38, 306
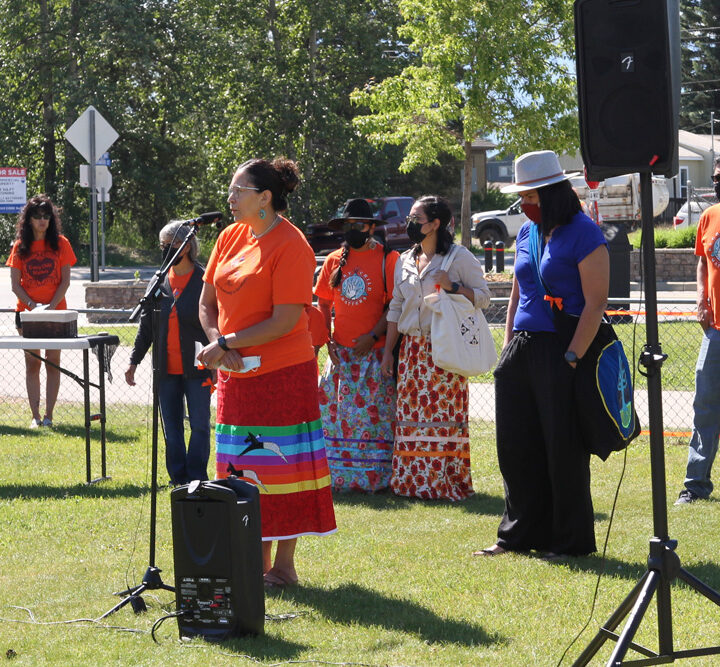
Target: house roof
484, 144
695, 142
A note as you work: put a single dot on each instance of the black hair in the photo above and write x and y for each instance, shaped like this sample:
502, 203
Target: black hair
559, 203
336, 276
437, 207
281, 177
23, 229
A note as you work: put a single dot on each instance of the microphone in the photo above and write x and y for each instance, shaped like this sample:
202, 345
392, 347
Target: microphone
213, 218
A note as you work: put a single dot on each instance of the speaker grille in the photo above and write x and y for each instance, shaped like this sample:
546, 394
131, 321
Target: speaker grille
627, 96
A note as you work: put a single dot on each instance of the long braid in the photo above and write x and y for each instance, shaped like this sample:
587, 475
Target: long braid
337, 274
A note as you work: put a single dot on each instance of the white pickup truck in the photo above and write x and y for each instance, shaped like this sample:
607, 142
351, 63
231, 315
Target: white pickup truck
618, 200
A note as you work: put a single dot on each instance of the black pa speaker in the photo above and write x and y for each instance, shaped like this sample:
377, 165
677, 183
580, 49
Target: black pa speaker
628, 78
217, 549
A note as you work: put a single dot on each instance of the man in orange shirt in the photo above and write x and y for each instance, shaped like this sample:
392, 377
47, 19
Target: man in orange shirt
706, 422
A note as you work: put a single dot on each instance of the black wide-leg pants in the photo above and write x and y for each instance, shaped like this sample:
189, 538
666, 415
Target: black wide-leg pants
545, 469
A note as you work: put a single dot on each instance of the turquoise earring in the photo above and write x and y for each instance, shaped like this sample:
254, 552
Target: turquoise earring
262, 214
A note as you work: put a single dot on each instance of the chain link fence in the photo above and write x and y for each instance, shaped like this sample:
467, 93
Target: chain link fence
679, 335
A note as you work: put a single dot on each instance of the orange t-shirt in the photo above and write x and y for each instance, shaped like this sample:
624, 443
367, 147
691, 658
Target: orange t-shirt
318, 327
174, 356
251, 276
360, 298
707, 245
41, 270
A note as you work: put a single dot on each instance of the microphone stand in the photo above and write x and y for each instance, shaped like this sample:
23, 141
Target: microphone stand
151, 299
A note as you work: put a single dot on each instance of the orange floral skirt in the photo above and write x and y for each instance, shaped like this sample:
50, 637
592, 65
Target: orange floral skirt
431, 457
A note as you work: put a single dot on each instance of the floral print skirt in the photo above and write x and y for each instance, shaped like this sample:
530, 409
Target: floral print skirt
357, 404
431, 458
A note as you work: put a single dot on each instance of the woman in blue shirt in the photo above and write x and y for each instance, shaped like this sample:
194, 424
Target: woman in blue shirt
545, 468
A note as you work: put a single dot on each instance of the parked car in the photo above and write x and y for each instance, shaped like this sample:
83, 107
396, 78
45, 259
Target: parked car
393, 210
500, 225
681, 221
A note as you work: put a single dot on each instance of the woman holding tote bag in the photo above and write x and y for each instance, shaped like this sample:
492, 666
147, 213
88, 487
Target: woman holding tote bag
431, 456
545, 467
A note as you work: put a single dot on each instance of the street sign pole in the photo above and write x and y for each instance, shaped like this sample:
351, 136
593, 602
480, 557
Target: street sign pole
102, 228
91, 134
94, 273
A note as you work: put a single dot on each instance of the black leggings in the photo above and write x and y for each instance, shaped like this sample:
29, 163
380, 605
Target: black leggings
545, 469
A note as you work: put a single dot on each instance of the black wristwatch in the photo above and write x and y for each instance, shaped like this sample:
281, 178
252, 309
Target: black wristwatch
571, 357
454, 287
223, 343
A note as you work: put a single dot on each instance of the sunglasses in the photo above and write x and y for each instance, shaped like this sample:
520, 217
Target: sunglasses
716, 178
354, 224
415, 220
40, 216
239, 188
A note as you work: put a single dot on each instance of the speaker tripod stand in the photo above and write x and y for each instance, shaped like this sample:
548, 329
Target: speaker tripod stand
663, 563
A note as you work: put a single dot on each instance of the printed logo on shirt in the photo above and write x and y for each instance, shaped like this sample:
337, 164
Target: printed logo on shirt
714, 250
40, 268
355, 288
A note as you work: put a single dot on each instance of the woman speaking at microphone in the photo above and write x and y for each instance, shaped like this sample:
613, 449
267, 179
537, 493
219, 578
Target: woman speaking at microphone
257, 283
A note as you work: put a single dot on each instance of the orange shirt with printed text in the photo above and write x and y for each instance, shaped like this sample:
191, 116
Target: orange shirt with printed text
361, 297
41, 270
251, 276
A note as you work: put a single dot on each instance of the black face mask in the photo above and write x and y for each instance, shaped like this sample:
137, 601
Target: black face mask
169, 251
414, 231
717, 190
356, 239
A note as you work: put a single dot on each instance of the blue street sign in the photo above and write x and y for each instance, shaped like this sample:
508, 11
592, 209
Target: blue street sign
104, 160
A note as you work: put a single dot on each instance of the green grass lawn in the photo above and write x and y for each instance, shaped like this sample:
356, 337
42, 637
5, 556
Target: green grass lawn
395, 586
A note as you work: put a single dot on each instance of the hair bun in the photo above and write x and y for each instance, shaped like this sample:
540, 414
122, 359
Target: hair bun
287, 172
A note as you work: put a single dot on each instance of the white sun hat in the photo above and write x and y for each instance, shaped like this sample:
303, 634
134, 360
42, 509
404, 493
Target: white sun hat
536, 170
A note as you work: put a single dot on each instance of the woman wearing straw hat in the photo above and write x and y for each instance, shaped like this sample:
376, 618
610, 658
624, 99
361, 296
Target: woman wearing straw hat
546, 471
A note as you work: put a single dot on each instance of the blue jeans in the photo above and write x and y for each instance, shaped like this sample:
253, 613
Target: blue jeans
185, 466
706, 424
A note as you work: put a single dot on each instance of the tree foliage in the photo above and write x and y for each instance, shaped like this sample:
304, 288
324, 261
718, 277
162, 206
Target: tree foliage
485, 67
194, 87
700, 63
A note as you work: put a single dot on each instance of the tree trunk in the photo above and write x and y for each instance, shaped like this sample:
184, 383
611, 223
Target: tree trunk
465, 238
48, 109
308, 128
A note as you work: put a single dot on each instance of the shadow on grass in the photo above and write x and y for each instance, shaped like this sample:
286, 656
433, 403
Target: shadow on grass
48, 491
69, 430
265, 647
351, 604
480, 503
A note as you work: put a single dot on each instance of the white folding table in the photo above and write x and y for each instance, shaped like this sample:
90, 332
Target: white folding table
84, 343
